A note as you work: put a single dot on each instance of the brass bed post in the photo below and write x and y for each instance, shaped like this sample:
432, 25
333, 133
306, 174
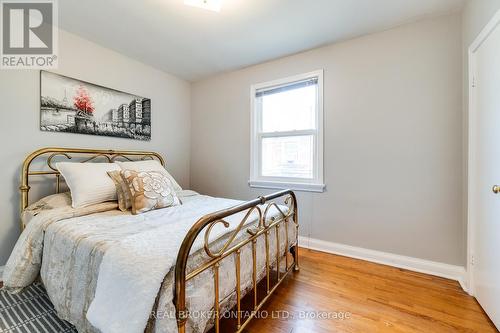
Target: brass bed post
24, 188
295, 251
254, 273
238, 287
180, 271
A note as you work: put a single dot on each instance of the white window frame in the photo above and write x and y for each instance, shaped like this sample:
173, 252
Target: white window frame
315, 184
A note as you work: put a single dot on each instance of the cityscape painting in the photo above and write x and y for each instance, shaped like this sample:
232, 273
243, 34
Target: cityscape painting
74, 106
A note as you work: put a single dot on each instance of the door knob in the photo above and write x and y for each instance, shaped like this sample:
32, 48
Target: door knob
496, 189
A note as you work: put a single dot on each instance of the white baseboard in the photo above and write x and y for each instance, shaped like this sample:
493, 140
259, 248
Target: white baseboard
452, 272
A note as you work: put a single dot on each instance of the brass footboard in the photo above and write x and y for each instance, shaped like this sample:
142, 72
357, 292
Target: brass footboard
263, 229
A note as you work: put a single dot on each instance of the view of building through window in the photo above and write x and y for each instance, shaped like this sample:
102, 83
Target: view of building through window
288, 157
286, 150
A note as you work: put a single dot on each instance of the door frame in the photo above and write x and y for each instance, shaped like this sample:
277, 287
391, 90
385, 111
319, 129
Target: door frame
472, 121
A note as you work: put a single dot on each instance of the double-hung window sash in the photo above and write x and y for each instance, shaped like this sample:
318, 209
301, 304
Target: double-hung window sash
287, 133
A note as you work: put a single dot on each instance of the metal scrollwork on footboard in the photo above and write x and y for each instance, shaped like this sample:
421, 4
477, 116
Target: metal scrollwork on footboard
234, 233
259, 209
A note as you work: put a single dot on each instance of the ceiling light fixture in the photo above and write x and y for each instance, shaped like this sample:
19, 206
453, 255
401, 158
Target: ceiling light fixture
213, 5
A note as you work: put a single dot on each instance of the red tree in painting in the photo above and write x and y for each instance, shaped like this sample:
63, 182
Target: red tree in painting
83, 102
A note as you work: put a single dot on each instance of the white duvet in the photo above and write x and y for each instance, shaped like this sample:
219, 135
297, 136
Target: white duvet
131, 271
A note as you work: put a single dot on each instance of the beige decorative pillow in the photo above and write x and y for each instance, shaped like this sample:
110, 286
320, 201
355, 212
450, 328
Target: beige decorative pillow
122, 191
149, 165
149, 190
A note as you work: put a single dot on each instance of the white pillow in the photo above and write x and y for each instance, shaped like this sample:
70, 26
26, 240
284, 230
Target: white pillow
89, 183
149, 165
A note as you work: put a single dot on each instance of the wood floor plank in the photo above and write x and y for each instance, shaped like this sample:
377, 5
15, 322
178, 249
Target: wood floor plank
378, 298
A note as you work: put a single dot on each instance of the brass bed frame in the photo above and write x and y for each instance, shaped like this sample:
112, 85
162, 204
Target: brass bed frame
260, 206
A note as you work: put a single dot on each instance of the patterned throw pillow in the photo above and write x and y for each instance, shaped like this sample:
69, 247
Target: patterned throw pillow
122, 190
149, 190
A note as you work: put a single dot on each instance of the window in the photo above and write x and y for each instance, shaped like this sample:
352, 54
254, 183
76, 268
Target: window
287, 133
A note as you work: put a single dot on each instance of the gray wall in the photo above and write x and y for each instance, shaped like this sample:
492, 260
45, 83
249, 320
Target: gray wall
79, 58
393, 139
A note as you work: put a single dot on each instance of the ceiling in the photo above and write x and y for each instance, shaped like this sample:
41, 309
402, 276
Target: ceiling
193, 43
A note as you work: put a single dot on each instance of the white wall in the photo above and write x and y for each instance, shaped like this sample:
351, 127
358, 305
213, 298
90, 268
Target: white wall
79, 58
475, 15
393, 139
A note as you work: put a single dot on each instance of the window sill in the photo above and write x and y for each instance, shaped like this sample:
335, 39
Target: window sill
306, 187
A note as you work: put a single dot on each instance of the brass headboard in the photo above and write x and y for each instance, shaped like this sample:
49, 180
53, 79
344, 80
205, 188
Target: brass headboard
86, 155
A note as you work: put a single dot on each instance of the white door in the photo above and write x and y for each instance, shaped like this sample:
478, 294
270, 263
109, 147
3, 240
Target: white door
485, 171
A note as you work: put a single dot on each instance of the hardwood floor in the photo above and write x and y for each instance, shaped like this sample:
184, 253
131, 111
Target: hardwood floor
377, 298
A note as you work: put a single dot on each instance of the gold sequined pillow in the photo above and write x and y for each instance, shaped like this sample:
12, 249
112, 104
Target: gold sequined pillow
122, 191
149, 190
